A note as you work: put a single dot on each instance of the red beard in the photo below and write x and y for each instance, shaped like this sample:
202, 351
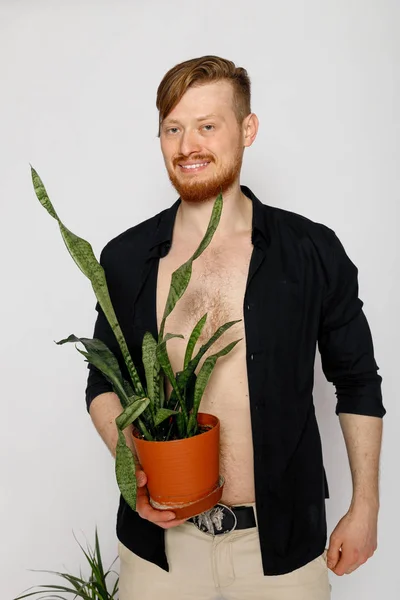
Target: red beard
198, 190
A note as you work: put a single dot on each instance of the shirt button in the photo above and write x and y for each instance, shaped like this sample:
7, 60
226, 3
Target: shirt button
251, 356
248, 307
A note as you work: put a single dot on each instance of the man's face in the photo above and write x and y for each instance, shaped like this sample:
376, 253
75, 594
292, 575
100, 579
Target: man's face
202, 142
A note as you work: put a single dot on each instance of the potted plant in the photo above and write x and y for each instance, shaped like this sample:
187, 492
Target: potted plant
177, 447
95, 587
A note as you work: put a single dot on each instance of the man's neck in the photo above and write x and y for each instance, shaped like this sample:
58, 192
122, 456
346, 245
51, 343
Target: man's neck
192, 218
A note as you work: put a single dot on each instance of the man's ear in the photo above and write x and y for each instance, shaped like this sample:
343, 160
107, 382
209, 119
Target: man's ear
250, 129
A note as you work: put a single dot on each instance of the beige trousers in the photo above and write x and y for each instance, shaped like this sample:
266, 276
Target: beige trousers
224, 567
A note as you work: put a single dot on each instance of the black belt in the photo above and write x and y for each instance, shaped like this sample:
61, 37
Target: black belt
224, 519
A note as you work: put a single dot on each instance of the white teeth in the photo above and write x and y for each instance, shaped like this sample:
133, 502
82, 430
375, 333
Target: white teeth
194, 166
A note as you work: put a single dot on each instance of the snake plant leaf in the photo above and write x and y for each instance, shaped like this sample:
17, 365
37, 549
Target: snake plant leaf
152, 367
202, 380
125, 471
103, 359
181, 423
128, 388
149, 359
186, 392
194, 336
149, 347
156, 383
179, 282
160, 384
82, 253
181, 277
132, 412
178, 427
163, 358
165, 363
102, 366
189, 392
190, 369
162, 414
98, 347
212, 226
147, 435
170, 336
173, 401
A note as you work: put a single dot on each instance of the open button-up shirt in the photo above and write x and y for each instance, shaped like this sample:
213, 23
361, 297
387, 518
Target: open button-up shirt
301, 291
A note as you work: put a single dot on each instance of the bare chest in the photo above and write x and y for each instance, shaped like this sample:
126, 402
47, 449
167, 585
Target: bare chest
217, 287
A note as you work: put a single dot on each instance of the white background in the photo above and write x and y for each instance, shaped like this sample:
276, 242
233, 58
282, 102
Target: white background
78, 85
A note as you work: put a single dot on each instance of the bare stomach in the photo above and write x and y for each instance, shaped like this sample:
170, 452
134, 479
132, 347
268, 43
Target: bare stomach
236, 446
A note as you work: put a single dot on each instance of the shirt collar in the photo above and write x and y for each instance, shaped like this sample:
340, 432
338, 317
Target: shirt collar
163, 236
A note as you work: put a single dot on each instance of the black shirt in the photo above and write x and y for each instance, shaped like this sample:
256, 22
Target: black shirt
301, 291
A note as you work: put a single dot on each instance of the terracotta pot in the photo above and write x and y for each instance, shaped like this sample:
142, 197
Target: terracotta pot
183, 475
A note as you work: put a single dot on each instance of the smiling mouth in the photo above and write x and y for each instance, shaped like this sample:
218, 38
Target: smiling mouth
194, 168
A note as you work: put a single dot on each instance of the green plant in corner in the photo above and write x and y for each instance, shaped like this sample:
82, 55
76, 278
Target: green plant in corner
94, 587
157, 417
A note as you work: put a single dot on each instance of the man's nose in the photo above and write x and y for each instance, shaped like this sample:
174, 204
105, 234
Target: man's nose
189, 143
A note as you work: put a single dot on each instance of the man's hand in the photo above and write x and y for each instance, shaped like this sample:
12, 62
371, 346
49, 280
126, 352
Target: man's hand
353, 541
162, 518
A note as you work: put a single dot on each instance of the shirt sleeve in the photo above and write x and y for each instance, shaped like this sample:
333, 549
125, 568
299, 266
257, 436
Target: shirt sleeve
345, 341
96, 381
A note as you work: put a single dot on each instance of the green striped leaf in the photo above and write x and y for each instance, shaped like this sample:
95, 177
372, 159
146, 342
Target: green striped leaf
142, 427
212, 226
166, 366
125, 471
170, 336
128, 389
181, 277
159, 384
190, 369
202, 380
181, 423
179, 282
132, 412
149, 346
162, 414
194, 336
99, 355
82, 253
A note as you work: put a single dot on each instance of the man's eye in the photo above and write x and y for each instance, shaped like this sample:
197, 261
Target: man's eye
172, 130
208, 127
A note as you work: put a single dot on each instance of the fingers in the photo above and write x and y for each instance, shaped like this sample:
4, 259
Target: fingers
333, 554
141, 478
349, 561
352, 568
163, 518
352, 543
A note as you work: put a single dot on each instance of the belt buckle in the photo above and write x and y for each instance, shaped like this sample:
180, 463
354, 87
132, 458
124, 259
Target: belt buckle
216, 521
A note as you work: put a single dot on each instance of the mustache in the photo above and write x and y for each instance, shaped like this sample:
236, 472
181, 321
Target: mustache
198, 157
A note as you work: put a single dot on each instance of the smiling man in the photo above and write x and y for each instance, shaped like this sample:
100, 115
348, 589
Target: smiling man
292, 284
200, 166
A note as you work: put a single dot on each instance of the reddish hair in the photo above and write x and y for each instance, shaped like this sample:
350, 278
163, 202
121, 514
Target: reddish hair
199, 71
